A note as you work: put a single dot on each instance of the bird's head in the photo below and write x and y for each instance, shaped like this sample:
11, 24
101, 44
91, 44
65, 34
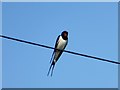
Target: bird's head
64, 35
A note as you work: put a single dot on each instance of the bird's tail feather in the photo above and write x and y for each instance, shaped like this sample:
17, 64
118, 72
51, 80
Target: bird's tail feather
49, 70
52, 57
52, 70
52, 64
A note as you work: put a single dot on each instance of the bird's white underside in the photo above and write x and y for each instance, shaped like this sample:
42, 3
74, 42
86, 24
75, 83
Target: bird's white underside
61, 43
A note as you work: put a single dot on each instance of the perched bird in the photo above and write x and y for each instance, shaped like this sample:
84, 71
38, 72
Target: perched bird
60, 44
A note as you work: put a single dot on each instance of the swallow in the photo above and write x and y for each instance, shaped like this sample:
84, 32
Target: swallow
60, 45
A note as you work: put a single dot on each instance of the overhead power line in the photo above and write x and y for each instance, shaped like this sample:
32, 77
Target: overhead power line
71, 52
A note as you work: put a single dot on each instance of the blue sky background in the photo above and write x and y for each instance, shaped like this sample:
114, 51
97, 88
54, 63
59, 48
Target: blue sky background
60, 0
92, 30
0, 45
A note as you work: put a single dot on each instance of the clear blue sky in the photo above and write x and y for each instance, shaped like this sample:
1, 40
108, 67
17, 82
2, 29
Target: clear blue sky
60, 0
92, 30
0, 46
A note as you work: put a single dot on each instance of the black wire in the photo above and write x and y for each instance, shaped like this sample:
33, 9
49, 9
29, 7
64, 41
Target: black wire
84, 55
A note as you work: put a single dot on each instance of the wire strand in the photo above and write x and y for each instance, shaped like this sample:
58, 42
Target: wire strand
71, 52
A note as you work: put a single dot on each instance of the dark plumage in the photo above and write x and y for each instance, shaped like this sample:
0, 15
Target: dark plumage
61, 43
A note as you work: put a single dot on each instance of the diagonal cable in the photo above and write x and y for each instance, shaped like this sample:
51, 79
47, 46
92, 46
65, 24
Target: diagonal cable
71, 52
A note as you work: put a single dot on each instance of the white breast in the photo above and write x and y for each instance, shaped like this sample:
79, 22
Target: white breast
61, 43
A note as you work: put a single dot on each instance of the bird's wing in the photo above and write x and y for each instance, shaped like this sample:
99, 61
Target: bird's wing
55, 47
57, 41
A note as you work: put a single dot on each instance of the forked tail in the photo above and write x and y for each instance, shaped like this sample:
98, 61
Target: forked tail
51, 66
